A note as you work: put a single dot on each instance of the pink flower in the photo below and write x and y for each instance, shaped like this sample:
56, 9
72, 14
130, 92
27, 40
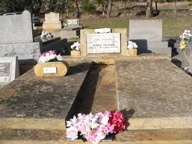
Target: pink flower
108, 128
94, 128
92, 136
118, 121
52, 52
72, 133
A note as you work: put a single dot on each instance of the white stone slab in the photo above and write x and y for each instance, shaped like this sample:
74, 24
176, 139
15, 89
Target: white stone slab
9, 69
103, 43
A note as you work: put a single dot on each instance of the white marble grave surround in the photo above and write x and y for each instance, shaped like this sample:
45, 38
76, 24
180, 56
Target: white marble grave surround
103, 43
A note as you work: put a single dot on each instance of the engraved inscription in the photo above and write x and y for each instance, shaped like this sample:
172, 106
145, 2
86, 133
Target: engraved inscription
103, 43
5, 68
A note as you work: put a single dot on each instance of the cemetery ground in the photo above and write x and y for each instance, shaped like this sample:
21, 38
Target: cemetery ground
153, 94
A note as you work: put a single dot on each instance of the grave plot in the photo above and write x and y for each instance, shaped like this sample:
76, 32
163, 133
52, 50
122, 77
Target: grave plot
32, 102
155, 93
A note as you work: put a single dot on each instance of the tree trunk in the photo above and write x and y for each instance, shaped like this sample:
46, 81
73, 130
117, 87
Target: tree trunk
109, 8
175, 8
76, 7
149, 9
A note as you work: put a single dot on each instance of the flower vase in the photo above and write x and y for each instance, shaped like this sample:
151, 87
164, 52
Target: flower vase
132, 52
51, 69
75, 53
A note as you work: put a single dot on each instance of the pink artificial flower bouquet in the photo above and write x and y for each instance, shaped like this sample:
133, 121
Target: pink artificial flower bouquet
50, 56
94, 128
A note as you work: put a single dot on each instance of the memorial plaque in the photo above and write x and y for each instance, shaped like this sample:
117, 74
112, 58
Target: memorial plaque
9, 69
103, 43
5, 68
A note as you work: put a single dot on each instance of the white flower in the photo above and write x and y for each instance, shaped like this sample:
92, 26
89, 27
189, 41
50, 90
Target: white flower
76, 46
46, 36
131, 45
186, 35
59, 58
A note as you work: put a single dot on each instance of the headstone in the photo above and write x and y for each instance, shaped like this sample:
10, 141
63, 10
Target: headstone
16, 38
16, 28
151, 32
71, 29
103, 43
148, 38
9, 69
52, 21
72, 23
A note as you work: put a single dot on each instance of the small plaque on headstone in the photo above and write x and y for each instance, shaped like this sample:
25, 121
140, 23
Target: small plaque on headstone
103, 43
9, 69
5, 68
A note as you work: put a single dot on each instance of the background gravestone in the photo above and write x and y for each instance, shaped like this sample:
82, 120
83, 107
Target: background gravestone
52, 21
151, 32
16, 38
148, 38
16, 28
73, 23
71, 30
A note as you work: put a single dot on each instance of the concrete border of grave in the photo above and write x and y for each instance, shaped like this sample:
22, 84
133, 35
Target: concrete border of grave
9, 69
123, 40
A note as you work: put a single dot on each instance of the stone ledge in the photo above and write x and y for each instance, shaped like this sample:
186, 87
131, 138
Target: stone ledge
171, 136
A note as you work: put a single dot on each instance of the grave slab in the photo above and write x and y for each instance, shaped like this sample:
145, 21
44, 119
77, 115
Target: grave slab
32, 102
154, 94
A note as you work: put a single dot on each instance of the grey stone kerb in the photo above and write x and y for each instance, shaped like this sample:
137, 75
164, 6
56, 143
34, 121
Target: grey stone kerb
16, 28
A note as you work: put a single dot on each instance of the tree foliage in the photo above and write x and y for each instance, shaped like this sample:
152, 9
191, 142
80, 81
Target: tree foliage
34, 6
